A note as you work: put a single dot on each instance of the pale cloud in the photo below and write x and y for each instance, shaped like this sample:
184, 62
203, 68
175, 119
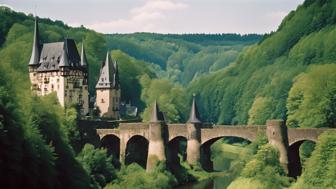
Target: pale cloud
142, 18
278, 15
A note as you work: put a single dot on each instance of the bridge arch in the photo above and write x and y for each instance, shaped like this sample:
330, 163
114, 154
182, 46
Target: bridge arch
206, 160
137, 150
112, 144
176, 146
294, 159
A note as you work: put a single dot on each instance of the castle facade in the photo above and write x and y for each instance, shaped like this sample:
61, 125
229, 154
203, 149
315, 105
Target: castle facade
58, 67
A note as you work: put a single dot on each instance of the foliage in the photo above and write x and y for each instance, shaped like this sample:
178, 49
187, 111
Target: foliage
97, 164
255, 87
259, 111
264, 170
134, 176
46, 115
260, 141
241, 183
35, 153
70, 127
319, 169
131, 70
172, 98
311, 101
185, 56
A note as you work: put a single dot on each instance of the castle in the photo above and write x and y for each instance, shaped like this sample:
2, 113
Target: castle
58, 67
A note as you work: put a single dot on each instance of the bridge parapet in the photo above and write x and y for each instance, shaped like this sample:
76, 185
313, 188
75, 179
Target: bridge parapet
176, 130
301, 134
249, 133
104, 132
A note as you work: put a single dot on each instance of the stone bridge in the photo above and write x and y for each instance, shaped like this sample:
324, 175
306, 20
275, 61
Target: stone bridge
157, 140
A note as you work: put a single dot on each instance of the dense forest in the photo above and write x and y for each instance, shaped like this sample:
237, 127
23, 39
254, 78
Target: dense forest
289, 74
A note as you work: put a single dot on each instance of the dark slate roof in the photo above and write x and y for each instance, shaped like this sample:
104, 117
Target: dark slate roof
157, 115
35, 56
194, 114
59, 54
109, 77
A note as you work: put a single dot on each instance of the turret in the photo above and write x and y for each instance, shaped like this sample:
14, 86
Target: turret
276, 132
157, 115
157, 138
194, 115
35, 55
108, 90
194, 135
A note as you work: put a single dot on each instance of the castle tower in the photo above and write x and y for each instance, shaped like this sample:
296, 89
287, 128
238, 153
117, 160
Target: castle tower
108, 89
58, 68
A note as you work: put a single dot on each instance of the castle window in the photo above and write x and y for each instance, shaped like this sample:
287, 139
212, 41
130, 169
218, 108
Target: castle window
102, 100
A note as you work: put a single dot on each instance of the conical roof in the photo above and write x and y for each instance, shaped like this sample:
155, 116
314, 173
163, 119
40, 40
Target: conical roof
35, 56
83, 62
194, 114
157, 115
107, 72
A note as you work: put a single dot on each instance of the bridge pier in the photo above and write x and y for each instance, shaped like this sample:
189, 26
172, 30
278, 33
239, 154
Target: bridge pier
193, 143
157, 139
123, 145
276, 132
194, 135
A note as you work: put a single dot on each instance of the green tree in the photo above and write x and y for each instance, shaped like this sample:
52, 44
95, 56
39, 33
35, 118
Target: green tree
312, 97
97, 164
319, 169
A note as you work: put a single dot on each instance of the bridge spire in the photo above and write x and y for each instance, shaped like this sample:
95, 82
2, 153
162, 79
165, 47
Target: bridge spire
194, 115
157, 115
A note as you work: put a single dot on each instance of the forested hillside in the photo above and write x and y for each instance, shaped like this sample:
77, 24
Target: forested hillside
289, 74
256, 87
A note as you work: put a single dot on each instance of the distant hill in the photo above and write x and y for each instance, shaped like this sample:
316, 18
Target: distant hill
183, 56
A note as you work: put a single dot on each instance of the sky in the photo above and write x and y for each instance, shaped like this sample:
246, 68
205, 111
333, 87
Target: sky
163, 16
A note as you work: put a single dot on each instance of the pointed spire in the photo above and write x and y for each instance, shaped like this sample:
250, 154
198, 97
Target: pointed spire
83, 57
156, 114
194, 115
107, 74
109, 68
35, 56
